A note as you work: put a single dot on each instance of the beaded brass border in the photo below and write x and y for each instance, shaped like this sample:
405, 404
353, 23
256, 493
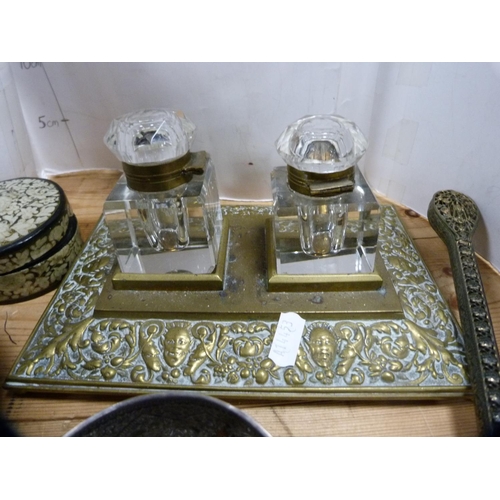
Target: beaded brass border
455, 216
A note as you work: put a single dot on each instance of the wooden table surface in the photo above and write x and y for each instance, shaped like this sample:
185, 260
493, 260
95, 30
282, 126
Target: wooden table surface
45, 414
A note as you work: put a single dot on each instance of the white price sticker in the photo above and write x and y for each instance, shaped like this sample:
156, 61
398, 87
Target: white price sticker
287, 338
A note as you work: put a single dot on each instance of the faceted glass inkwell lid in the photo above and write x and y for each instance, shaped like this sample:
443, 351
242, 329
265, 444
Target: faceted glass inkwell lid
325, 215
150, 136
322, 144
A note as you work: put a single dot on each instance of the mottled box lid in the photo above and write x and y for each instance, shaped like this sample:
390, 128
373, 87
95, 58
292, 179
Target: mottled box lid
34, 218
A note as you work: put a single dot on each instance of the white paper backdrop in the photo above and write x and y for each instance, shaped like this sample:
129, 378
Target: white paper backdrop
430, 126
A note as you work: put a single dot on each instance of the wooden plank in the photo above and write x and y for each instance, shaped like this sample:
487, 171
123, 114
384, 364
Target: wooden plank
369, 419
316, 419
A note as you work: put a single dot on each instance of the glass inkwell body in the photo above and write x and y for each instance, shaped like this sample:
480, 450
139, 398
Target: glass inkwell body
325, 217
164, 214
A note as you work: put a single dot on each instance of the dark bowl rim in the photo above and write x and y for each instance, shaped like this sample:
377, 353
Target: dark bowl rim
166, 395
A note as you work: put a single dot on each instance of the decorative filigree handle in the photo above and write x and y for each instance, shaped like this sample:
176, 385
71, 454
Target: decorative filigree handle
454, 217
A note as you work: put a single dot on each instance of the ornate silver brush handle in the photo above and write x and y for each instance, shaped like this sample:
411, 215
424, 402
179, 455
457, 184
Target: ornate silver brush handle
454, 217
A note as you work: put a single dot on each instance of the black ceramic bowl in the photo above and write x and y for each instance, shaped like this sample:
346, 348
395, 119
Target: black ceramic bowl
170, 414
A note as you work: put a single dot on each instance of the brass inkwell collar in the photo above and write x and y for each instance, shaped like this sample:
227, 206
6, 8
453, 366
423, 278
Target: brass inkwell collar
321, 152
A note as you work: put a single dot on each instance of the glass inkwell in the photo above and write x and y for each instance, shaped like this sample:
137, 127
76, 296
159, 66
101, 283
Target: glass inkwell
164, 215
325, 217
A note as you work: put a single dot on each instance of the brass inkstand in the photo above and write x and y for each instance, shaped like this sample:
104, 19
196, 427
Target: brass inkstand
175, 291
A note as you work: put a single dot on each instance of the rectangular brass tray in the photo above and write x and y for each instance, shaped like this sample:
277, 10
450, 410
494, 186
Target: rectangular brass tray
400, 341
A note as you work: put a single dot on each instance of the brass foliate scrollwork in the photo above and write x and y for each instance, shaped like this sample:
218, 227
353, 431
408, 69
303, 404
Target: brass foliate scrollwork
73, 347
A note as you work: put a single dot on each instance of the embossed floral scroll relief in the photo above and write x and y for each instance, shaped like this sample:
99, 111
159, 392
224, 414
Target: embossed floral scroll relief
182, 353
424, 349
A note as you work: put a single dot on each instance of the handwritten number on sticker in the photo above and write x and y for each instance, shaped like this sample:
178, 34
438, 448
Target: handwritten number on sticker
287, 339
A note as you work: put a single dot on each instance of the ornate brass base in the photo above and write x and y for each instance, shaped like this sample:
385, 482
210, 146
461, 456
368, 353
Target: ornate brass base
248, 292
398, 341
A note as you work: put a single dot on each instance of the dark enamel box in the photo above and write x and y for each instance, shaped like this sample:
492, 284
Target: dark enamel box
39, 237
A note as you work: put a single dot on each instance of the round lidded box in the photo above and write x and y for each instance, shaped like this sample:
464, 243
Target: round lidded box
34, 218
39, 238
